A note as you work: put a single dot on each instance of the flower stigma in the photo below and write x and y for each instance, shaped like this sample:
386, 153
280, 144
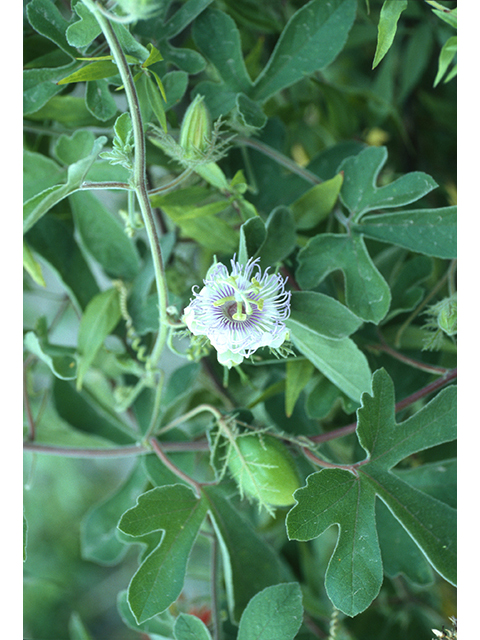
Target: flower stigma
240, 311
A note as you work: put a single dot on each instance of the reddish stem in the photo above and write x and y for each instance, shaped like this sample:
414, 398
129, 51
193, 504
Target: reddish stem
409, 400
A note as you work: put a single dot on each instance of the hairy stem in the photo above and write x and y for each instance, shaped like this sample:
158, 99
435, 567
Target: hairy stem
139, 177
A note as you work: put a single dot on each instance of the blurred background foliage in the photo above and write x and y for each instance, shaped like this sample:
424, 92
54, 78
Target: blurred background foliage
347, 104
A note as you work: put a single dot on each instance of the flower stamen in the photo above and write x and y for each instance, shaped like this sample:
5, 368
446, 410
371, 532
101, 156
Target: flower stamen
238, 312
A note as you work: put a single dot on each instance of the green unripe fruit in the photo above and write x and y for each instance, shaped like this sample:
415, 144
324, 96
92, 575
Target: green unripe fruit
264, 470
447, 315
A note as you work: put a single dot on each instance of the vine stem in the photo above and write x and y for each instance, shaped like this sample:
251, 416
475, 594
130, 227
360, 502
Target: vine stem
282, 159
114, 452
170, 465
406, 402
139, 175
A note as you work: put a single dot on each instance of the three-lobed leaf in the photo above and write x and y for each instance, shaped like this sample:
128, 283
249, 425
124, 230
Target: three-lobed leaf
347, 497
432, 232
178, 513
367, 294
360, 192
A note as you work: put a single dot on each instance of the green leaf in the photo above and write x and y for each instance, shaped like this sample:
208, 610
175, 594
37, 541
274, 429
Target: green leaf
276, 613
347, 498
84, 31
224, 53
249, 563
31, 266
359, 191
447, 15
77, 629
68, 110
85, 413
407, 279
323, 396
100, 318
312, 39
447, 54
187, 203
104, 236
175, 84
366, 293
249, 116
98, 533
40, 85
317, 203
252, 238
54, 241
160, 626
280, 240
99, 101
298, 374
386, 442
156, 100
211, 232
438, 479
45, 18
175, 510
219, 97
184, 16
335, 496
400, 554
188, 627
432, 232
153, 57
39, 173
70, 149
322, 314
93, 71
60, 360
387, 27
36, 207
341, 361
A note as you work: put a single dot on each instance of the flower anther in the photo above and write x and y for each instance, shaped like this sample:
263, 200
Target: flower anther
240, 311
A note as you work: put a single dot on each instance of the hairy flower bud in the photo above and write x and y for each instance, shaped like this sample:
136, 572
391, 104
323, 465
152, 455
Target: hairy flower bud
140, 9
196, 130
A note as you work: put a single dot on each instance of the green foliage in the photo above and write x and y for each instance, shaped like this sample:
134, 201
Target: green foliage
347, 498
311, 490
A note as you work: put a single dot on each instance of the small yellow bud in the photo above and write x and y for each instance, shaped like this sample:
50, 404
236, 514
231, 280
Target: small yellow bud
196, 130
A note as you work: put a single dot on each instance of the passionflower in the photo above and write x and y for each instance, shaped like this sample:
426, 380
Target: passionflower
239, 311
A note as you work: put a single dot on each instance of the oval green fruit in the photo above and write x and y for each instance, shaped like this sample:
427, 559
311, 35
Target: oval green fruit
264, 469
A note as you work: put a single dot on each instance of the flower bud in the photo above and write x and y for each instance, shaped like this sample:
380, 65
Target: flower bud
140, 9
196, 129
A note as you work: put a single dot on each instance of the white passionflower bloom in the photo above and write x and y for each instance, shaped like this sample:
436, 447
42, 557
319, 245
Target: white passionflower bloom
241, 311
